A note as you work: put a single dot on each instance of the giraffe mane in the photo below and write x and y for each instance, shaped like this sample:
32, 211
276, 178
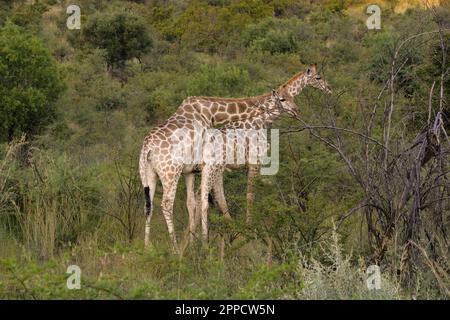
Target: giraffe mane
214, 99
265, 95
292, 79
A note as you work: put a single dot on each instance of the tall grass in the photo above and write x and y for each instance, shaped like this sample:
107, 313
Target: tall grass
341, 276
46, 201
56, 213
132, 272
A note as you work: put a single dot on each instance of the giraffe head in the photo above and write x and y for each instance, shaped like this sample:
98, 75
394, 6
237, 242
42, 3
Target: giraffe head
284, 103
314, 79
297, 83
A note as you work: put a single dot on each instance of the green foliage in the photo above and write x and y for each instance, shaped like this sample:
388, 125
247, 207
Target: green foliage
271, 282
289, 8
335, 276
123, 273
209, 27
276, 35
123, 36
5, 9
30, 83
72, 195
219, 80
55, 201
112, 99
29, 14
336, 5
414, 57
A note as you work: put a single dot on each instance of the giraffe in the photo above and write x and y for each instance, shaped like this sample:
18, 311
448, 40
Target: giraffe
157, 159
212, 174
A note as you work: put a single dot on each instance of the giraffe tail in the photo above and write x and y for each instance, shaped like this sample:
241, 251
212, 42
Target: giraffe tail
143, 163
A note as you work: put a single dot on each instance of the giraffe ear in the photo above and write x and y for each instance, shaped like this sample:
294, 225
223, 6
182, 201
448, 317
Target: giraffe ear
312, 69
274, 93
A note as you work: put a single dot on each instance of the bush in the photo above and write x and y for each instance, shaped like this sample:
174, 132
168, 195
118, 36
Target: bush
30, 83
221, 80
53, 203
209, 27
122, 35
29, 15
275, 35
336, 276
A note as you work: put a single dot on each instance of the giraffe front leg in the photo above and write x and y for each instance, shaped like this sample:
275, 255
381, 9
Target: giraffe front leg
252, 173
219, 193
191, 204
198, 206
205, 188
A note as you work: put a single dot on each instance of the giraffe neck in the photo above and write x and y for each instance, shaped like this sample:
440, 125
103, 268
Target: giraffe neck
260, 120
265, 116
295, 85
224, 111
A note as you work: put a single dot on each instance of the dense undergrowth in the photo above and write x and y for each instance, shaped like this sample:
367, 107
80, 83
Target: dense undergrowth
69, 189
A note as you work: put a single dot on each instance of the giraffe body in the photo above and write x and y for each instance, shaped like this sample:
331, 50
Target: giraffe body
156, 159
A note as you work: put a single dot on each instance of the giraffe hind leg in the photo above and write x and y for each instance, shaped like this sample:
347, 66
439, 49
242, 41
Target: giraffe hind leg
148, 202
210, 199
149, 193
169, 183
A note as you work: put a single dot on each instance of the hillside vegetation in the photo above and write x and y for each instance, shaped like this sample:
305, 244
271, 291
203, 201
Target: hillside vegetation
363, 175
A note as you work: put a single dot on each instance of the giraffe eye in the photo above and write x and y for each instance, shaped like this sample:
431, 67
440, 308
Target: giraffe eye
282, 100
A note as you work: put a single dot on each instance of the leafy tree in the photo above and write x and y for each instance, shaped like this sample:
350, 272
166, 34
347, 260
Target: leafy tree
123, 35
29, 83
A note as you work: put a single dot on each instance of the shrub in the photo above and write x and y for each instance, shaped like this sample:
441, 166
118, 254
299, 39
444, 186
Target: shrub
29, 15
277, 35
122, 35
336, 276
30, 83
53, 203
220, 80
